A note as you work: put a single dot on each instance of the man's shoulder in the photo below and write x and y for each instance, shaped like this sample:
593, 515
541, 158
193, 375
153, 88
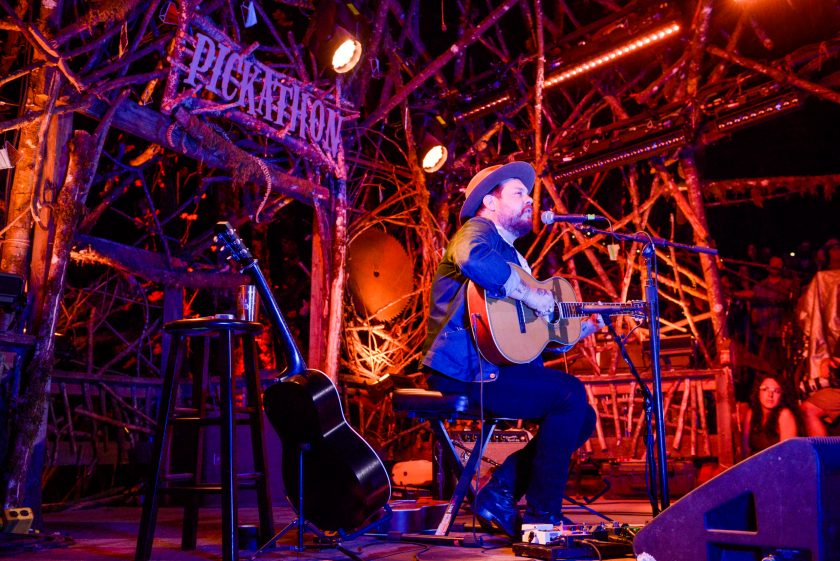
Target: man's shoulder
479, 223
477, 227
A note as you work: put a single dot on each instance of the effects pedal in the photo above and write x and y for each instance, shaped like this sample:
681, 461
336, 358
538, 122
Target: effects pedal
574, 541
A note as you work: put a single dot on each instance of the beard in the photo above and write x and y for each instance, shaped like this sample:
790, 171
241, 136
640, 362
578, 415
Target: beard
517, 224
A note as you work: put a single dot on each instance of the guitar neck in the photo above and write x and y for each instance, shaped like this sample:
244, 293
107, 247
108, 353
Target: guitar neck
294, 359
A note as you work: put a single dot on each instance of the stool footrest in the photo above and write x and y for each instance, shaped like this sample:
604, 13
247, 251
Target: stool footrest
244, 476
239, 419
208, 487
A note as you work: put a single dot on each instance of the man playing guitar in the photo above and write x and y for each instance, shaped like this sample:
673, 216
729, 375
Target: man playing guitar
497, 210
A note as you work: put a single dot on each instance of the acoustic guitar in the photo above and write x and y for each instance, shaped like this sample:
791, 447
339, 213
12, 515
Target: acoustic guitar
509, 332
344, 481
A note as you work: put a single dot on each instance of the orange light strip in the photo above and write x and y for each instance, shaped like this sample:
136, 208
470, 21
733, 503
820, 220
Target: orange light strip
614, 54
484, 107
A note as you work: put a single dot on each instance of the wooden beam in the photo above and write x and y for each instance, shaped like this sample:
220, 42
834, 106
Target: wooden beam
438, 63
149, 265
778, 75
153, 126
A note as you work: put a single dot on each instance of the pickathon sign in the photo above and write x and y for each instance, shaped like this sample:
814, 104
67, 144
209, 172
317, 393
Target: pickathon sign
215, 75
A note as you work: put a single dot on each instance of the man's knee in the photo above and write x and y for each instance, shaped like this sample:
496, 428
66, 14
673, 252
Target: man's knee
577, 392
811, 411
588, 425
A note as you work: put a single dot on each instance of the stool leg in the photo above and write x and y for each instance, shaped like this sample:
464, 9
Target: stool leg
252, 377
146, 533
230, 549
189, 527
465, 478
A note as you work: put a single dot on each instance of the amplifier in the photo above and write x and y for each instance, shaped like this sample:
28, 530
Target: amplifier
501, 445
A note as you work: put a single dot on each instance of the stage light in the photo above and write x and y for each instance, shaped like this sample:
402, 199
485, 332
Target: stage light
346, 50
763, 110
334, 35
622, 156
610, 55
433, 153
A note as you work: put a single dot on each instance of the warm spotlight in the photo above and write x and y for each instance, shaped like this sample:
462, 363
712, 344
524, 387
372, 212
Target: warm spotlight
346, 50
433, 154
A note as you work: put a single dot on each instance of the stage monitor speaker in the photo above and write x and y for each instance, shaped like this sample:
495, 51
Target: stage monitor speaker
781, 504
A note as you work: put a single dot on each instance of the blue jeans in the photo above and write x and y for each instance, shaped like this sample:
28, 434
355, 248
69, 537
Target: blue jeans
555, 400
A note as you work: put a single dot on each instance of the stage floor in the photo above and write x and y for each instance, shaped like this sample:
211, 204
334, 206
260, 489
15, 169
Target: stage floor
109, 533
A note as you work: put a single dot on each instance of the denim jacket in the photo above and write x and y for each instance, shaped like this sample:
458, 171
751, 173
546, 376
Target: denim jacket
477, 252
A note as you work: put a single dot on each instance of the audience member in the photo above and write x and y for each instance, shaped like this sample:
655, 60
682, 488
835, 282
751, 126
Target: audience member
817, 317
823, 406
771, 302
828, 257
771, 418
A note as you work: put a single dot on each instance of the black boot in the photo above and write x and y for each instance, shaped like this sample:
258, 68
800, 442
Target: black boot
496, 507
534, 515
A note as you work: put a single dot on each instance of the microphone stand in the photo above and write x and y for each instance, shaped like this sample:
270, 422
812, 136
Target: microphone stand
652, 297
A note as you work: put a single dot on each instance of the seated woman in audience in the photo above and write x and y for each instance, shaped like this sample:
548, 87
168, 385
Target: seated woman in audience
772, 416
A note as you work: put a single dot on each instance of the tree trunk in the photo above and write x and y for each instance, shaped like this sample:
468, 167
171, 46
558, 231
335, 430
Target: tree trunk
338, 279
319, 302
15, 253
725, 391
30, 422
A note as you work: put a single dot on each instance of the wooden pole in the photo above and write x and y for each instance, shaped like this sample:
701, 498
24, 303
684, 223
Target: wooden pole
31, 421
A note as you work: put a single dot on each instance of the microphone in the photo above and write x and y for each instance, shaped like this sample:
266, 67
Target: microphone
548, 217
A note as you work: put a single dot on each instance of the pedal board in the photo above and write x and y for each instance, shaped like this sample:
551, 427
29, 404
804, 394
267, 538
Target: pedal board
574, 541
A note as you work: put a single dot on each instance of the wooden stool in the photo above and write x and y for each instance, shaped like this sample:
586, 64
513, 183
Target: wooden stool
221, 331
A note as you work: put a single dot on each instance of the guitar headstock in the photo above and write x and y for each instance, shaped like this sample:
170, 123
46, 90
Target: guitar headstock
230, 241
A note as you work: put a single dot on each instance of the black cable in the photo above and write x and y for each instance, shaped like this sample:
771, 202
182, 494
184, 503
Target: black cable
480, 443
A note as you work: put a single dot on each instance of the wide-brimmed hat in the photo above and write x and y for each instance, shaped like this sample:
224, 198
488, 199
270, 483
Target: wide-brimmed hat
488, 178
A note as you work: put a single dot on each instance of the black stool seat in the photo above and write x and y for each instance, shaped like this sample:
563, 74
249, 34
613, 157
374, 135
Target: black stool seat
425, 403
222, 330
207, 325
